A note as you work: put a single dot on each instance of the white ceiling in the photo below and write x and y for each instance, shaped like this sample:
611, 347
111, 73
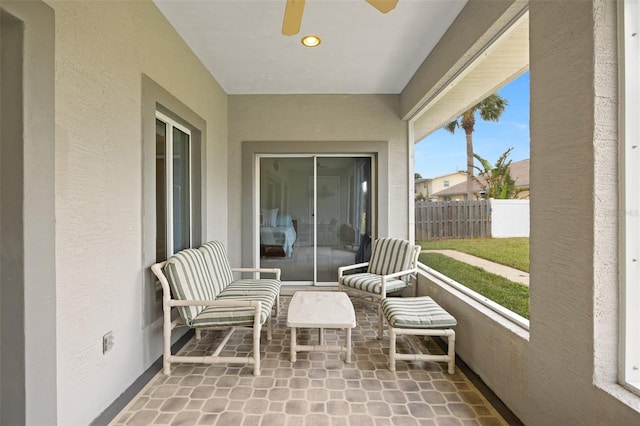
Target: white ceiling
363, 51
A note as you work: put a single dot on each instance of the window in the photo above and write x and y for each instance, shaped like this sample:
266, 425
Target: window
169, 123
446, 183
630, 291
173, 187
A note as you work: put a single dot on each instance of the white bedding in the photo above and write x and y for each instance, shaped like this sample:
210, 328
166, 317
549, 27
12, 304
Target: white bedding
283, 236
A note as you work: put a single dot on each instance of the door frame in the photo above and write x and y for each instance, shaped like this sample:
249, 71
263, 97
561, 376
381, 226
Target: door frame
314, 205
378, 149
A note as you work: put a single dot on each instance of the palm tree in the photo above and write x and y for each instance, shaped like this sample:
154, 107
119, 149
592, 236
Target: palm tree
496, 180
490, 109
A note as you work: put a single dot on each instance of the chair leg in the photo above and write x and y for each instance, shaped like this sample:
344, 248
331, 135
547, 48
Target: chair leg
198, 334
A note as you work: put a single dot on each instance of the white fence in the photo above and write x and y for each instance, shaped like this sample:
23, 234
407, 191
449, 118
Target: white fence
509, 218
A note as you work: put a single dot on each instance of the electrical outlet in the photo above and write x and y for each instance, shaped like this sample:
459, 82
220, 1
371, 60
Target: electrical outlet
107, 342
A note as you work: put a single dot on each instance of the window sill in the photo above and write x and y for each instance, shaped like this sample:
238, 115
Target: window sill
501, 311
622, 394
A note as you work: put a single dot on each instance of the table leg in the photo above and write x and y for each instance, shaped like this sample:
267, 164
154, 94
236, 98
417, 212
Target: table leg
321, 336
293, 344
348, 345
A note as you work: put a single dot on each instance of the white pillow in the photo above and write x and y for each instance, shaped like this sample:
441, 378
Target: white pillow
269, 217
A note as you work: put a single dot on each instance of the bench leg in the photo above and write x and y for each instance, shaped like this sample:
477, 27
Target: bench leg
269, 329
166, 344
256, 351
380, 321
392, 349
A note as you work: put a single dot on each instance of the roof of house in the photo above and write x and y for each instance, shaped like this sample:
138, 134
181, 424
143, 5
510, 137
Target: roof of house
519, 172
450, 174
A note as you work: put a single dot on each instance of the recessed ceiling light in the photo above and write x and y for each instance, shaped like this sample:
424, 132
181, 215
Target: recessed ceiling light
311, 41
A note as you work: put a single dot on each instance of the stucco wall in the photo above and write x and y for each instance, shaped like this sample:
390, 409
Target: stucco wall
28, 292
574, 234
495, 348
316, 120
102, 50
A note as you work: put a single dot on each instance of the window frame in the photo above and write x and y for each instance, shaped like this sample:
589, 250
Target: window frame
157, 98
629, 369
170, 124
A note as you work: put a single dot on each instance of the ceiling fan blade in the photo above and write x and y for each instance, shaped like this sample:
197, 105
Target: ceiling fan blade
292, 17
384, 6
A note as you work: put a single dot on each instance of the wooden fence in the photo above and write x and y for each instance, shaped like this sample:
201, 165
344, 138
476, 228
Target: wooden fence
452, 219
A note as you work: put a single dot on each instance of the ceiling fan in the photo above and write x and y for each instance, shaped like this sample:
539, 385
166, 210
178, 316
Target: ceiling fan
293, 13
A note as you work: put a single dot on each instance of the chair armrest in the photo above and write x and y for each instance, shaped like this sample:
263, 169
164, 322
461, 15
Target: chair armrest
401, 273
275, 271
349, 267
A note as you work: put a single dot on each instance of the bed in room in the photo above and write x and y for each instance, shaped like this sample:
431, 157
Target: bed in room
278, 233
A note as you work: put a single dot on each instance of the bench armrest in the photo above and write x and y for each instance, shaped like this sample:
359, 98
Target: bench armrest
275, 271
216, 302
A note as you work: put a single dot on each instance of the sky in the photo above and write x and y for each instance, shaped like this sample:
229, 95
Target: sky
442, 153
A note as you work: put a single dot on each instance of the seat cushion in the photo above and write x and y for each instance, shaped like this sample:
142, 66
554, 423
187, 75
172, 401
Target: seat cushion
189, 279
217, 262
391, 255
248, 287
372, 283
416, 312
214, 316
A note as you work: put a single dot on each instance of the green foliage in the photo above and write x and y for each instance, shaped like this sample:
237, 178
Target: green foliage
417, 176
490, 109
513, 296
496, 180
513, 252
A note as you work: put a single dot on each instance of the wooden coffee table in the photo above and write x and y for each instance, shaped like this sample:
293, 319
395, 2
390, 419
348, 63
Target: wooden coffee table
321, 309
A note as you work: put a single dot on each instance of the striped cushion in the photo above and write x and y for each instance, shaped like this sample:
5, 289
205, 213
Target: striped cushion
390, 255
251, 286
214, 316
416, 312
189, 279
372, 283
217, 262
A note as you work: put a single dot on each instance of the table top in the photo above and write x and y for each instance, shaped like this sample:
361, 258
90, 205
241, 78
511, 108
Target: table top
321, 309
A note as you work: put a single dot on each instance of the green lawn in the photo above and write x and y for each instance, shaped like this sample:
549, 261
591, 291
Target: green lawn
512, 252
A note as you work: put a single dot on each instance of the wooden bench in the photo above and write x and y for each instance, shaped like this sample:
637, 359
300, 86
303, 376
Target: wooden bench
200, 283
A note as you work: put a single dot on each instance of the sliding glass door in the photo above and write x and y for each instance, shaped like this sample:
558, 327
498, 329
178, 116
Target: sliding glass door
314, 215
